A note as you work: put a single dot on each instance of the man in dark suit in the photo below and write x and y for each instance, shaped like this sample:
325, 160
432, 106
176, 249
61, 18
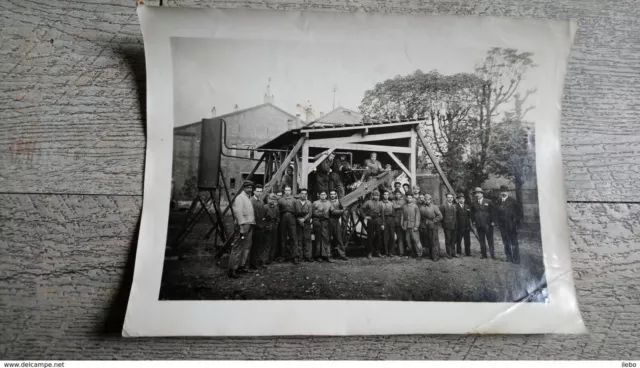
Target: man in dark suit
508, 219
482, 218
448, 211
463, 225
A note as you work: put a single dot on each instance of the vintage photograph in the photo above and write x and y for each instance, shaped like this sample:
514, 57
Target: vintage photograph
351, 171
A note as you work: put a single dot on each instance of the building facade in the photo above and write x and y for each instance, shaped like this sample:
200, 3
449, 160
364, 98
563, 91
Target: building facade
245, 130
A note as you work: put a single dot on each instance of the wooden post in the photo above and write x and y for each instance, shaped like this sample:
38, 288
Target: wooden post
413, 158
304, 170
283, 166
296, 170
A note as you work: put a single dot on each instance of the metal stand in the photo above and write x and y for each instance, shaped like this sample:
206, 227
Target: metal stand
204, 197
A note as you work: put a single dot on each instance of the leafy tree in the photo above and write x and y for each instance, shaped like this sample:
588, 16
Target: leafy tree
512, 153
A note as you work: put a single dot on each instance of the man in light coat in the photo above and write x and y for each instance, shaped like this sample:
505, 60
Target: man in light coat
245, 218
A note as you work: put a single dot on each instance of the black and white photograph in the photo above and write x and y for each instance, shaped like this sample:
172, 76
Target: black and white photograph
345, 171
341, 159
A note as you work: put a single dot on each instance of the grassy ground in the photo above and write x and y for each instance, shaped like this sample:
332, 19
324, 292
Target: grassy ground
190, 273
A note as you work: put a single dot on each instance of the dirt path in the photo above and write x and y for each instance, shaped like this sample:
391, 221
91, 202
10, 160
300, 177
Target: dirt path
460, 279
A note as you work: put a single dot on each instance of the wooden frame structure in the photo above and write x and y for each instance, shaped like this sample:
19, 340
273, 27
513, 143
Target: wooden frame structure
309, 146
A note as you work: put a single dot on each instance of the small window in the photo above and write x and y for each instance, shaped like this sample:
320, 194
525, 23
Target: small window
232, 183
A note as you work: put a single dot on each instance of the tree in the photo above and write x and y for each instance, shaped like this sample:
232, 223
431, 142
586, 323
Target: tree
502, 71
445, 102
512, 153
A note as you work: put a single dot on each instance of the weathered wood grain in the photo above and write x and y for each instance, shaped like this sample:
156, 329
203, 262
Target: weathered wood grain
73, 91
63, 294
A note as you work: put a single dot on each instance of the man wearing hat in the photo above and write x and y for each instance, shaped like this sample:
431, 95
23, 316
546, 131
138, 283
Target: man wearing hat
448, 211
245, 218
463, 225
508, 219
374, 215
482, 218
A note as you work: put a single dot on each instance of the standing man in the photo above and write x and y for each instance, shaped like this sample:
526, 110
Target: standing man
406, 189
272, 217
410, 221
398, 207
258, 243
335, 177
388, 241
508, 218
448, 211
287, 179
373, 214
416, 193
463, 226
482, 218
321, 210
245, 218
304, 211
322, 175
397, 187
335, 228
287, 233
430, 215
373, 167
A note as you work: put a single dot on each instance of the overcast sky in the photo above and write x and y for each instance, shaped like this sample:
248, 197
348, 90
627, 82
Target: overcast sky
224, 72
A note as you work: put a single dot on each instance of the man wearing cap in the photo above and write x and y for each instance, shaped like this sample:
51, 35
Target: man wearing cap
304, 211
448, 211
269, 231
322, 175
482, 218
287, 179
429, 217
321, 210
245, 218
410, 220
508, 218
335, 177
463, 225
374, 215
398, 206
287, 233
388, 241
335, 228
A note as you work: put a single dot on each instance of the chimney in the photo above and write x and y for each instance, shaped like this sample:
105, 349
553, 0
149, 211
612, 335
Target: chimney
289, 124
213, 112
235, 108
297, 120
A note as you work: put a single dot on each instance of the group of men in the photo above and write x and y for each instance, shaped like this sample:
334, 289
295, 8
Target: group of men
408, 224
280, 229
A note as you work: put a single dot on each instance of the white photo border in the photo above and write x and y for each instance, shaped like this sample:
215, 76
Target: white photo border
148, 316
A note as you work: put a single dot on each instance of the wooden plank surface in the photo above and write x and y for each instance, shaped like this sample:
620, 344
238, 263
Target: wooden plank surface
72, 112
65, 258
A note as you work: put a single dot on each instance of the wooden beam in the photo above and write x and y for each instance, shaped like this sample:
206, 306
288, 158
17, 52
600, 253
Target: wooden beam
413, 158
359, 127
296, 170
360, 147
319, 160
434, 159
357, 138
283, 166
400, 164
304, 169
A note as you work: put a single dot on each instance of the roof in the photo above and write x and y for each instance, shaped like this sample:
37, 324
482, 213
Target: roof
339, 116
240, 112
291, 136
